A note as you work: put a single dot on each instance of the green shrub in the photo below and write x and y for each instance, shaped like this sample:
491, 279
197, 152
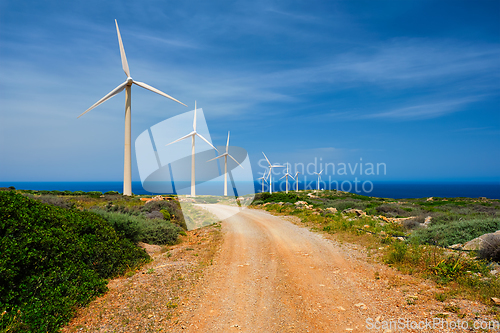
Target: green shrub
53, 261
112, 193
126, 225
166, 214
53, 200
276, 197
456, 231
397, 252
159, 232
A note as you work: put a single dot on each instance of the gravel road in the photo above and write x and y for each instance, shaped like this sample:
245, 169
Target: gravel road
274, 276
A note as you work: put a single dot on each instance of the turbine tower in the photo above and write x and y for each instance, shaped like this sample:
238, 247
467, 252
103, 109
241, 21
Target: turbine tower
319, 178
271, 166
127, 85
193, 135
287, 175
297, 181
263, 179
225, 155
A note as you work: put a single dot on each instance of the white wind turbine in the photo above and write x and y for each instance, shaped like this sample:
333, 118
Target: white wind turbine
287, 175
271, 166
297, 181
193, 135
226, 155
319, 177
127, 169
263, 179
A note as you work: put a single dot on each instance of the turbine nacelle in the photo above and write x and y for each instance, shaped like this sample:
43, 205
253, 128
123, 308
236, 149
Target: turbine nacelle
129, 81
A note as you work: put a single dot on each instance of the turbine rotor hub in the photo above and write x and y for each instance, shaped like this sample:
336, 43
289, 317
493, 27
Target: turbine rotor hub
130, 81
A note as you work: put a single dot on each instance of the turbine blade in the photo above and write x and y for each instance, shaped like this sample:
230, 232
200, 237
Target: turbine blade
201, 137
292, 177
194, 121
148, 87
320, 172
122, 52
283, 177
236, 161
215, 158
184, 137
227, 145
267, 159
115, 91
278, 166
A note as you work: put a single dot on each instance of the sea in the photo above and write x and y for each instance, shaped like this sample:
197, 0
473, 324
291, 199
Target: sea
396, 190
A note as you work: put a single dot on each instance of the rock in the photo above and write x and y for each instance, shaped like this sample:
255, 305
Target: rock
300, 203
366, 226
430, 199
475, 244
496, 300
494, 272
358, 212
455, 246
331, 210
360, 305
427, 222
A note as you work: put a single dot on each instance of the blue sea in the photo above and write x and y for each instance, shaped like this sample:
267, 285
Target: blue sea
396, 190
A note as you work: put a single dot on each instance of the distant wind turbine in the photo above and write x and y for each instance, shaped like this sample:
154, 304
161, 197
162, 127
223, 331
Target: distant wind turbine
193, 135
319, 177
297, 181
271, 166
226, 155
127, 169
263, 179
287, 175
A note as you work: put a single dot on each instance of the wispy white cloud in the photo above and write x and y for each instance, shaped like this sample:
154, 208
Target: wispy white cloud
424, 111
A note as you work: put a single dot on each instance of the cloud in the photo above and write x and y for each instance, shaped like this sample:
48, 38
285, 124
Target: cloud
424, 111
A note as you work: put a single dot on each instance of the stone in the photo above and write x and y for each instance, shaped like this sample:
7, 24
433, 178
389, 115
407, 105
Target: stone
496, 300
475, 244
457, 246
360, 305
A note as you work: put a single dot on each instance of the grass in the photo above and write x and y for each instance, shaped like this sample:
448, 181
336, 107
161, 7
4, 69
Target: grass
407, 246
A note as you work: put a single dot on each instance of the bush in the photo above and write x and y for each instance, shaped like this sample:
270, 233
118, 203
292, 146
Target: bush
456, 231
112, 193
343, 204
159, 232
143, 229
490, 248
166, 214
411, 224
125, 225
276, 197
172, 207
53, 261
392, 210
53, 200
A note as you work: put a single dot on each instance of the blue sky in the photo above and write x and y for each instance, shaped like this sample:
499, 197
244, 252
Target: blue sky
412, 84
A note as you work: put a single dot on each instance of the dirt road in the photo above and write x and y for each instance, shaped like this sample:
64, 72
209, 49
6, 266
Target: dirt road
273, 276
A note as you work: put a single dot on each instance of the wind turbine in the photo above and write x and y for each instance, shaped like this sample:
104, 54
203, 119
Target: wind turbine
271, 166
319, 177
297, 181
193, 134
127, 168
287, 175
263, 179
225, 155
